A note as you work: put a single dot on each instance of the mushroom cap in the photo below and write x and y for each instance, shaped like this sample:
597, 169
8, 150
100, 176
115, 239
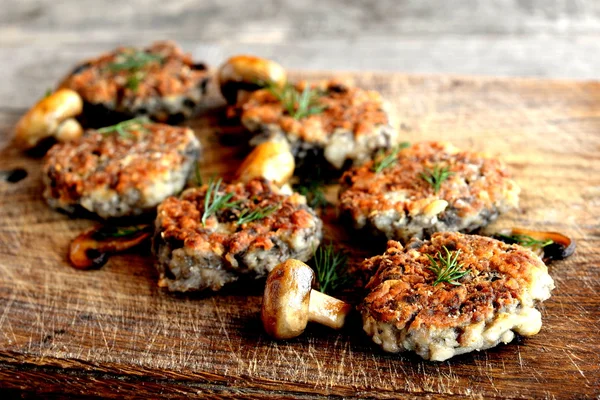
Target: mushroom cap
560, 247
286, 299
46, 117
272, 160
91, 248
248, 73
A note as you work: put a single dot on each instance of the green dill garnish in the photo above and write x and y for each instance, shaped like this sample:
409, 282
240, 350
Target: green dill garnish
133, 60
313, 191
329, 268
215, 201
436, 176
248, 215
298, 105
198, 175
524, 240
447, 269
134, 79
383, 161
313, 188
111, 232
125, 128
48, 92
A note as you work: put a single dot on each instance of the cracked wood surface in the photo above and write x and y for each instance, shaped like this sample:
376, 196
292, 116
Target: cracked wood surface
112, 332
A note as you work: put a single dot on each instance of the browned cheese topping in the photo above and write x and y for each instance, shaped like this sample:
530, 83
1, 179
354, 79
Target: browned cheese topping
402, 290
127, 73
346, 108
181, 219
475, 183
120, 162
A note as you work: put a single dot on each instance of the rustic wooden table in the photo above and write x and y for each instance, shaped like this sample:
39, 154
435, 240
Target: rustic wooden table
113, 333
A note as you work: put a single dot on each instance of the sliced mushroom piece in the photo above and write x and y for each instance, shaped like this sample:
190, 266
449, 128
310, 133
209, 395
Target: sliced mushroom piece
289, 302
248, 73
92, 248
272, 160
548, 245
51, 117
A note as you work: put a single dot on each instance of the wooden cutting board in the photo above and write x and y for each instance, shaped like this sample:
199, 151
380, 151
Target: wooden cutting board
112, 332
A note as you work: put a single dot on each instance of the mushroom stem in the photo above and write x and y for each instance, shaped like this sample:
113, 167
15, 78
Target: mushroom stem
327, 310
289, 302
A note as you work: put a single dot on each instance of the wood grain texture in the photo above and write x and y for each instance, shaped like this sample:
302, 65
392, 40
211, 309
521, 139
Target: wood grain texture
112, 332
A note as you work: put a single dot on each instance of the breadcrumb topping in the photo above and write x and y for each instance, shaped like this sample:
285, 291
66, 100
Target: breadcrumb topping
401, 291
115, 162
347, 108
111, 77
180, 219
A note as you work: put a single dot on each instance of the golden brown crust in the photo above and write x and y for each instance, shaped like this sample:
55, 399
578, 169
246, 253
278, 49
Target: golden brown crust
399, 202
117, 162
367, 189
174, 74
347, 108
180, 219
402, 291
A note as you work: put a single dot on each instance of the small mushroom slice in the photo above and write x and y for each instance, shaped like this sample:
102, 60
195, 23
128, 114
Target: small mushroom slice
548, 245
92, 248
248, 73
272, 160
289, 302
51, 117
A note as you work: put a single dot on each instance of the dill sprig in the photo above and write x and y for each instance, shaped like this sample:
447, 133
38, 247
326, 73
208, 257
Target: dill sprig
383, 160
197, 174
298, 105
524, 240
329, 268
108, 232
48, 93
447, 268
436, 176
248, 215
313, 188
134, 60
134, 79
215, 201
125, 128
314, 193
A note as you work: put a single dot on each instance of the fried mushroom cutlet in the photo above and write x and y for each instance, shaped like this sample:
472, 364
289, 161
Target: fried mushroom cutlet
161, 82
492, 296
329, 120
426, 188
124, 170
214, 234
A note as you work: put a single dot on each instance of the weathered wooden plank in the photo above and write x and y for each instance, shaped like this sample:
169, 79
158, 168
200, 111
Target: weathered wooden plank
41, 40
114, 324
287, 20
31, 67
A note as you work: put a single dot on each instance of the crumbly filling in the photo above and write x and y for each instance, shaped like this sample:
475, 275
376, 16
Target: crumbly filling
180, 219
402, 290
115, 162
344, 108
127, 74
473, 183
